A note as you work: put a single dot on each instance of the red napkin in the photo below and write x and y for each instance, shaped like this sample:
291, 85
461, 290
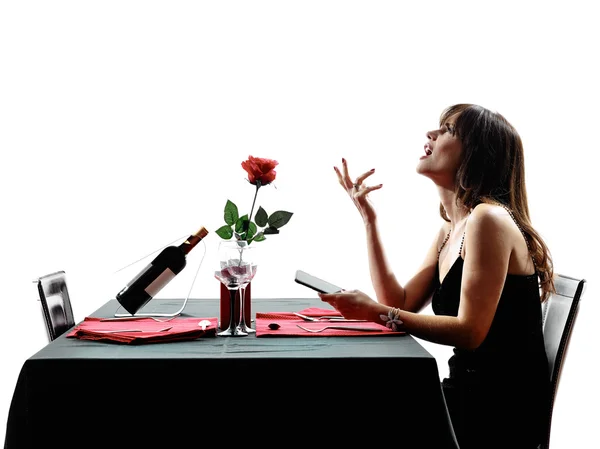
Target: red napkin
288, 325
318, 311
152, 331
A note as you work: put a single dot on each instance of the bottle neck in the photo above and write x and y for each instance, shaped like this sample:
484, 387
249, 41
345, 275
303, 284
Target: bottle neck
193, 240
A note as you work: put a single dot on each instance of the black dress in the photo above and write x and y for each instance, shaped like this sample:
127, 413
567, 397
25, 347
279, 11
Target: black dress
498, 394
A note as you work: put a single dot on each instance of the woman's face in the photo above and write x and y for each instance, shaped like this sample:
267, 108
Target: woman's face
443, 151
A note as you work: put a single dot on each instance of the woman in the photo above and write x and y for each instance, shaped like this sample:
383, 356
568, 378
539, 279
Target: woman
485, 274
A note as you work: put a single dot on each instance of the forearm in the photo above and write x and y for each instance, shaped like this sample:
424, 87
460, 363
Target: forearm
385, 284
445, 330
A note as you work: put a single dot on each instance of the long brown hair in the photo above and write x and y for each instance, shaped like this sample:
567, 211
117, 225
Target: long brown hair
492, 170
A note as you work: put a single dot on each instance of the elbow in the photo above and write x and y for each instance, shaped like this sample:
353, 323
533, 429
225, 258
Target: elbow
472, 344
472, 338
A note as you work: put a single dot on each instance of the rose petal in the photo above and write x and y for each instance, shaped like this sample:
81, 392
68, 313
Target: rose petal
260, 169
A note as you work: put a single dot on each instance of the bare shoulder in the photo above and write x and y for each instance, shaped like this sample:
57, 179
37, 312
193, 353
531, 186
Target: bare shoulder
492, 228
490, 220
489, 214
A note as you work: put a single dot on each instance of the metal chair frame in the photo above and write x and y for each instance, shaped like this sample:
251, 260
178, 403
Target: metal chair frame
559, 314
56, 303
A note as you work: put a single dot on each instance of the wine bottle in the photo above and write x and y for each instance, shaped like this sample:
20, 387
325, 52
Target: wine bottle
171, 260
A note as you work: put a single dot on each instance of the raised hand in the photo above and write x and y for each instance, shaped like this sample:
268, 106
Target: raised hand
357, 190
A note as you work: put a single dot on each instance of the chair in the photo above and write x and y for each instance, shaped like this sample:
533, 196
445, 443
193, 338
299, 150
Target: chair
559, 313
56, 304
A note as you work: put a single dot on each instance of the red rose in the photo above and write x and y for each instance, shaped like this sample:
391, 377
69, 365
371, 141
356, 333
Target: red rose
260, 169
249, 227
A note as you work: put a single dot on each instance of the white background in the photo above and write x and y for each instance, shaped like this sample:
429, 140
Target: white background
123, 125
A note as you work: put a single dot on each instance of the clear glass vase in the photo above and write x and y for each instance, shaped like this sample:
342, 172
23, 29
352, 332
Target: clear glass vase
237, 267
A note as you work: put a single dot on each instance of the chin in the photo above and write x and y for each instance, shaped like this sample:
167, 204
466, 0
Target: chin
429, 174
421, 170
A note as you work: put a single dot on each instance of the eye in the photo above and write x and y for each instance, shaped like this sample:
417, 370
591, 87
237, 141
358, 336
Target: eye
450, 128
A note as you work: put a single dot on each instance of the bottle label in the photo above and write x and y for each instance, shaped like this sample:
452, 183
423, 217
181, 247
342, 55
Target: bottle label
157, 284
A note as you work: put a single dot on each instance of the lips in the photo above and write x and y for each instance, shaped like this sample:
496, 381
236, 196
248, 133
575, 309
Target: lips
428, 151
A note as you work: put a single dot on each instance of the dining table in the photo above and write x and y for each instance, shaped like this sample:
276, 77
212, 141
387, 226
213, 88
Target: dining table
274, 391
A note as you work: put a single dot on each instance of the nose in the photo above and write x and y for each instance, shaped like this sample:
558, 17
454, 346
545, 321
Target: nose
431, 135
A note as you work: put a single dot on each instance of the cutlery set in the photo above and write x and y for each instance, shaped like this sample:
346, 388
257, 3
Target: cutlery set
205, 323
330, 323
337, 319
114, 331
346, 328
135, 318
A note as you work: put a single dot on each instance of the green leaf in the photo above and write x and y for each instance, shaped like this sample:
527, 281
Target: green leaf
261, 217
251, 231
271, 231
260, 237
225, 232
279, 218
231, 213
239, 224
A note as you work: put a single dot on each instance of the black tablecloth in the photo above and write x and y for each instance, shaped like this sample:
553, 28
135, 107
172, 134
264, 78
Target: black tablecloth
230, 391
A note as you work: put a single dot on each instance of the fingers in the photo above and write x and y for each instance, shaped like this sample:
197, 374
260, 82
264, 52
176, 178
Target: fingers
334, 296
326, 296
366, 190
339, 176
341, 180
343, 176
364, 176
330, 298
346, 181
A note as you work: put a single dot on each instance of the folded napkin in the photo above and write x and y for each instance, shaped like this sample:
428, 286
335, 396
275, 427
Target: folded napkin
143, 330
318, 311
288, 325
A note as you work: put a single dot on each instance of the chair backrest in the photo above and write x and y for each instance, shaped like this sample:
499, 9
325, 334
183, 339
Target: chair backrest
56, 303
559, 313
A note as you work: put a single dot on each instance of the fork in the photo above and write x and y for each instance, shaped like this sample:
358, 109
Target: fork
346, 328
337, 319
135, 318
129, 330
